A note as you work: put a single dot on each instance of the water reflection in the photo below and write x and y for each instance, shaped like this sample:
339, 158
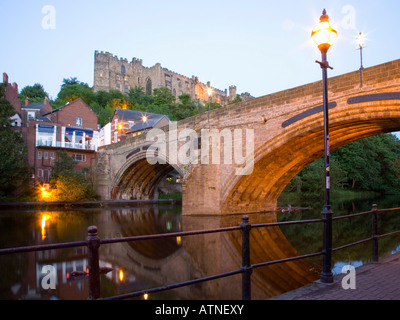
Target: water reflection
147, 264
143, 264
307, 238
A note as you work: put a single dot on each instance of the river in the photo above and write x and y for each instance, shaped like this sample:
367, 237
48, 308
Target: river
146, 264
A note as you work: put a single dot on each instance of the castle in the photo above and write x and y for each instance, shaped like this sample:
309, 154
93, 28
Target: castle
113, 73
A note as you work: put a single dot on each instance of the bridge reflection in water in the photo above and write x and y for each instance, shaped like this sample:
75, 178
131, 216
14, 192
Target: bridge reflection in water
151, 263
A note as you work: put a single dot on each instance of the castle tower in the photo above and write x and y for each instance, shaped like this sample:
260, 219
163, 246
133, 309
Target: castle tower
232, 93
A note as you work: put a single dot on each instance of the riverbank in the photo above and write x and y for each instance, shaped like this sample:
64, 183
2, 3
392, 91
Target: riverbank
296, 198
84, 204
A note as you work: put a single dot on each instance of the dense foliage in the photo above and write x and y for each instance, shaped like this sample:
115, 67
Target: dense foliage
13, 163
371, 164
68, 184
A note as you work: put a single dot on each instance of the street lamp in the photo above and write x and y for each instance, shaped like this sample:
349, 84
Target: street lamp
361, 41
325, 36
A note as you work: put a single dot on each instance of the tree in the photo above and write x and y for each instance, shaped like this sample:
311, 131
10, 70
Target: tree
13, 164
139, 99
186, 108
163, 96
68, 184
35, 93
236, 100
72, 89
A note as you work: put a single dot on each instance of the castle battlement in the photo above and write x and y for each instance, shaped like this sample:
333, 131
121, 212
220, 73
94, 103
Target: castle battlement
109, 69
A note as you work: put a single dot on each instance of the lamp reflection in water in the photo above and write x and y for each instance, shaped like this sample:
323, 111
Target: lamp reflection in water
45, 217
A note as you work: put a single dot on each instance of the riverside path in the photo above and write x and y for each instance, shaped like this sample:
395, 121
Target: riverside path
377, 281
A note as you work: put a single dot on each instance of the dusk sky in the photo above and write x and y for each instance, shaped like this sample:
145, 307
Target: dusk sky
261, 46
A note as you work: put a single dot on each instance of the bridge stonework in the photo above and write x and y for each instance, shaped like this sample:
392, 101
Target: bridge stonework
288, 136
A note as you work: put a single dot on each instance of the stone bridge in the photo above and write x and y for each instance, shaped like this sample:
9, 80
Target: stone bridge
284, 129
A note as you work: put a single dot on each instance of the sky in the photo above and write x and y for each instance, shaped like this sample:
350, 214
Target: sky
260, 46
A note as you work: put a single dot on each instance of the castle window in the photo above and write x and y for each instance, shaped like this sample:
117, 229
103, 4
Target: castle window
126, 89
117, 78
123, 71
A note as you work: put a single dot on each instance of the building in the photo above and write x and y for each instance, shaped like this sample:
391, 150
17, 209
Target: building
129, 123
72, 128
113, 73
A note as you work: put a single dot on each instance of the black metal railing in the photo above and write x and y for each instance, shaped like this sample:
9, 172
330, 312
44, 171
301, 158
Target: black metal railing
93, 243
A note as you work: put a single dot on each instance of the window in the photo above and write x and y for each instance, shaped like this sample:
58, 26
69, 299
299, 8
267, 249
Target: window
46, 155
79, 157
126, 89
40, 173
39, 155
79, 137
78, 122
31, 115
123, 70
52, 155
68, 137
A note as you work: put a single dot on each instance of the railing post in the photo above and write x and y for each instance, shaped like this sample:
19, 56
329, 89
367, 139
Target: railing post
93, 243
375, 250
327, 276
246, 266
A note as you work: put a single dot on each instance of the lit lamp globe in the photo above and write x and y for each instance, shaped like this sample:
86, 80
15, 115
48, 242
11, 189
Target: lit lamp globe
323, 34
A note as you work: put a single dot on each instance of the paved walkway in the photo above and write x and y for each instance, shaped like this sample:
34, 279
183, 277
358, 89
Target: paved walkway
379, 281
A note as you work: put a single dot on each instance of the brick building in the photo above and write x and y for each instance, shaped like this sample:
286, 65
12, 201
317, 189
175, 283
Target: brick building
72, 128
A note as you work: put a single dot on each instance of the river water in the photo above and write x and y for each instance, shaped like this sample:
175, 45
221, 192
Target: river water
147, 264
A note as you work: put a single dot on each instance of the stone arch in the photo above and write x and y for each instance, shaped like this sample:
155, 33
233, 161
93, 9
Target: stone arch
137, 179
280, 159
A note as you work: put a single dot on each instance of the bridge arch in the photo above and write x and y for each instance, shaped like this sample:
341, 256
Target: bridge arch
137, 179
279, 160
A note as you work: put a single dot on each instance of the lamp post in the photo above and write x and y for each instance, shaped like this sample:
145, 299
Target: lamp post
361, 42
209, 92
325, 36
